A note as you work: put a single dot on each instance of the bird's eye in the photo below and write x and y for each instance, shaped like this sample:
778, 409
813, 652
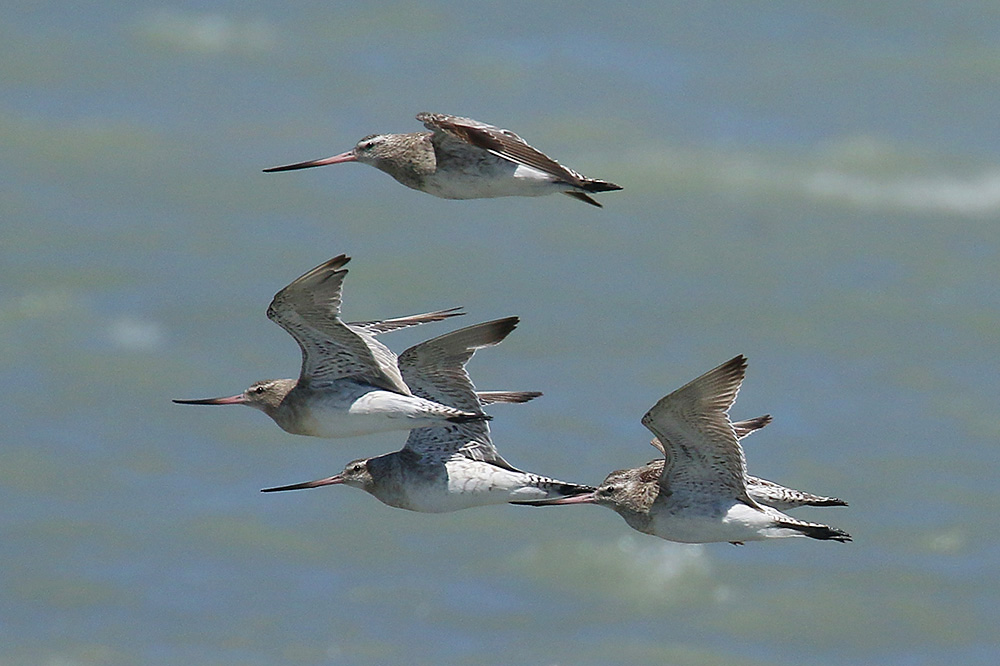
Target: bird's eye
258, 390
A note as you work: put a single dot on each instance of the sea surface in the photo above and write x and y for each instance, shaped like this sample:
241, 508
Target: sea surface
814, 185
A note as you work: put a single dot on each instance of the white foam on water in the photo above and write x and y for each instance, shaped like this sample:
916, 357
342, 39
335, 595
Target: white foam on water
949, 541
135, 334
972, 196
199, 32
642, 569
859, 172
660, 563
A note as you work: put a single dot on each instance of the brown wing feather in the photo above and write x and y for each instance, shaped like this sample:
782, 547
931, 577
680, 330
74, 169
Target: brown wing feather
502, 143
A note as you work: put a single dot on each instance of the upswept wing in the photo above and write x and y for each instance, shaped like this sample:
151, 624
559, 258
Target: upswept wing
501, 142
701, 450
309, 309
435, 370
742, 428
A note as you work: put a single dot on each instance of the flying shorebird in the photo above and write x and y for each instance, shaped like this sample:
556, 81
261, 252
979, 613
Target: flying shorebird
461, 158
447, 467
349, 383
699, 494
760, 490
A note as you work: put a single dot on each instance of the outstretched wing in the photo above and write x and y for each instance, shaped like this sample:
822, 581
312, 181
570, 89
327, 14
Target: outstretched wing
501, 142
386, 325
742, 429
702, 453
309, 309
493, 397
435, 370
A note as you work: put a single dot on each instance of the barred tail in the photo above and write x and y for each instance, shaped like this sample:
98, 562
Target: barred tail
595, 185
826, 501
469, 418
816, 531
591, 185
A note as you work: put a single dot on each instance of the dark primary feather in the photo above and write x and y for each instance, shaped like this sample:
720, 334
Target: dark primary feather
817, 531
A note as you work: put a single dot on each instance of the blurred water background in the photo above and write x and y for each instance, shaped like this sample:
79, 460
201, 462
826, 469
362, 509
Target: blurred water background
816, 185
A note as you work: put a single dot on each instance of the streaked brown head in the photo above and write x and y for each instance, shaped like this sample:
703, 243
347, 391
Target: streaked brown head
265, 395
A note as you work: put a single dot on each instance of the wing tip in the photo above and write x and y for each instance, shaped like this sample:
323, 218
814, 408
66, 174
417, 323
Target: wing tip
715, 389
749, 426
583, 197
326, 269
509, 397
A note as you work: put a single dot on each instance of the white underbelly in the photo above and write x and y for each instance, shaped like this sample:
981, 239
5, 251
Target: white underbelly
368, 412
470, 484
520, 182
737, 522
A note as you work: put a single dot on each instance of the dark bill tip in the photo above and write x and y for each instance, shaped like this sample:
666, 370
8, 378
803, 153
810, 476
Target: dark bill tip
330, 480
336, 159
231, 400
583, 498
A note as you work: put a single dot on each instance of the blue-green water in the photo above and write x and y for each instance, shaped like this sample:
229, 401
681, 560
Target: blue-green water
816, 186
